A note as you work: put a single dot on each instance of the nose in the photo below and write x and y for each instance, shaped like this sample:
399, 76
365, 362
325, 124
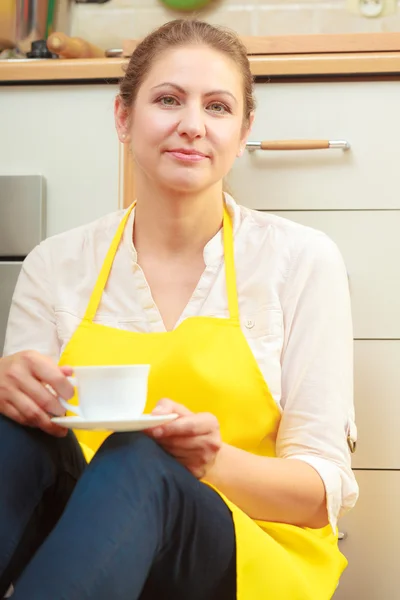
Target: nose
192, 122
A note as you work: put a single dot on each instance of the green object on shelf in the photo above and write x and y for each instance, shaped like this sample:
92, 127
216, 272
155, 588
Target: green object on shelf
186, 4
50, 17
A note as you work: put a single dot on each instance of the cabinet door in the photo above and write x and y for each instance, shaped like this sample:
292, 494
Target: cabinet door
364, 113
370, 244
65, 133
377, 402
371, 545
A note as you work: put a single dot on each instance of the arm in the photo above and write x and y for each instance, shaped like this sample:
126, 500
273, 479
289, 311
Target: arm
270, 489
311, 479
31, 351
31, 323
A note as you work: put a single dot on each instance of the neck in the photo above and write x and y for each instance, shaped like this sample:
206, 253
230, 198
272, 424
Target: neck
171, 225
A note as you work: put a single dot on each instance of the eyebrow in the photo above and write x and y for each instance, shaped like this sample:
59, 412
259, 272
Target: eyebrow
182, 91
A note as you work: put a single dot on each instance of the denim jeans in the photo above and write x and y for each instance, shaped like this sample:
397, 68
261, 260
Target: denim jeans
133, 524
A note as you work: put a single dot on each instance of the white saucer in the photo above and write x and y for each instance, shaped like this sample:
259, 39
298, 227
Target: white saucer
138, 424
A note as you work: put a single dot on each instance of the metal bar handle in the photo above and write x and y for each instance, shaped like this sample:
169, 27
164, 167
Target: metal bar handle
298, 145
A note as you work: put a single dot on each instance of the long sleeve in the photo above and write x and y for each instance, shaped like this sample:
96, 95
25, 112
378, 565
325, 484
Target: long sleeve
317, 370
31, 323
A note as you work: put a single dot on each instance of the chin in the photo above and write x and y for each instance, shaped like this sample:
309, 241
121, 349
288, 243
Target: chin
187, 185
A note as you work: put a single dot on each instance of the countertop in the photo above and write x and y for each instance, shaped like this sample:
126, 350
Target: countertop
288, 65
275, 57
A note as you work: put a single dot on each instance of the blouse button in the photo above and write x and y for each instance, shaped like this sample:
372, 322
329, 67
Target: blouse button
250, 323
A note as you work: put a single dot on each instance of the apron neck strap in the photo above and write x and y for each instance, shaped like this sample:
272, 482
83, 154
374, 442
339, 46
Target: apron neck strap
101, 282
230, 273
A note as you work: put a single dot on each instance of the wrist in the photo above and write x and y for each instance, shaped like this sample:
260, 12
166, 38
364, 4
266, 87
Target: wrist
215, 471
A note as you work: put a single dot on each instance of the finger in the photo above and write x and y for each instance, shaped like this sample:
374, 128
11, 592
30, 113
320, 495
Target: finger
184, 444
35, 416
12, 413
42, 396
67, 371
193, 425
166, 406
46, 370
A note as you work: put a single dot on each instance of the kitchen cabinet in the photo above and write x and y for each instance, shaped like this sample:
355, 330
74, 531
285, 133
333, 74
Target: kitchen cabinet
371, 541
370, 244
377, 395
352, 196
364, 113
65, 133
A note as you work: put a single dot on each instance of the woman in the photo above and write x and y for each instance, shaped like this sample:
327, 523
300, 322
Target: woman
245, 320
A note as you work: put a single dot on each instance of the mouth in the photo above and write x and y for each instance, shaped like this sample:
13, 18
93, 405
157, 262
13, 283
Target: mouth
187, 154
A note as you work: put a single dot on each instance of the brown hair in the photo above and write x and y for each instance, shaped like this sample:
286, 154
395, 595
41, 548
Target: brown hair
183, 32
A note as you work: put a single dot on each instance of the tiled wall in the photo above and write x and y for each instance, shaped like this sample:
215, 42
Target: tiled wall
110, 23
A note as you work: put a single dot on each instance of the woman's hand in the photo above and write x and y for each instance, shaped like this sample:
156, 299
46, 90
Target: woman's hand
24, 397
194, 439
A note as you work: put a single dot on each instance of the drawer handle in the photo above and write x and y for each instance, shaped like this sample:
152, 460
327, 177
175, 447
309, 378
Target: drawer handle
342, 536
298, 145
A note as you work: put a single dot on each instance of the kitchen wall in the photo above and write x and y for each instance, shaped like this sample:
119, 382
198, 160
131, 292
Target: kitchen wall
108, 24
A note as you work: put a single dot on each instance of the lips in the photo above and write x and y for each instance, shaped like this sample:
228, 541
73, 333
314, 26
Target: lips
187, 155
188, 152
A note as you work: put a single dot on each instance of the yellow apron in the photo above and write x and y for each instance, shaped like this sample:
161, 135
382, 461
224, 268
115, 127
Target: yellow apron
207, 365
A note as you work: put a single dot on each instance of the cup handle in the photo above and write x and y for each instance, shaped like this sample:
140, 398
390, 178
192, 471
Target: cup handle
73, 408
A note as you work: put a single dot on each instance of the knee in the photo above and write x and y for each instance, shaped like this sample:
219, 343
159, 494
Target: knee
17, 441
30, 453
131, 443
22, 457
135, 456
137, 468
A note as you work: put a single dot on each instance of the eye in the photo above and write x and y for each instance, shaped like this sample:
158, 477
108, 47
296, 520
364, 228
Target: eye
219, 107
167, 101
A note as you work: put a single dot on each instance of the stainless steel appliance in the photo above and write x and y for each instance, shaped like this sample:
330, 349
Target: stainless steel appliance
22, 227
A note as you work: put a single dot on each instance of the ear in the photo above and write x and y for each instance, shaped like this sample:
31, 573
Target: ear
245, 134
122, 120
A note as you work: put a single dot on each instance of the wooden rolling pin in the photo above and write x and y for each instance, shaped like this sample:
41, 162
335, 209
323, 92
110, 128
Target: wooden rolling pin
72, 47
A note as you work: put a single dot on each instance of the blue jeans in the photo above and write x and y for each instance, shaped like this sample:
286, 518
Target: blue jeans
133, 524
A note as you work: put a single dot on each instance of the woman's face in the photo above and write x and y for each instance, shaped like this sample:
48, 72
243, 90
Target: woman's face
186, 125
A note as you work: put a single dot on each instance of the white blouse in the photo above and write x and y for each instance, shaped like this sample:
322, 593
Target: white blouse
294, 308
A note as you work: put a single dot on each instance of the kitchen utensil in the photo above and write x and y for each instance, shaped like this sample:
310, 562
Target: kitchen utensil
72, 47
39, 49
25, 21
137, 424
114, 52
50, 17
109, 392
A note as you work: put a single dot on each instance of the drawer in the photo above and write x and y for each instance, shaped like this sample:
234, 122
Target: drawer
377, 394
370, 244
364, 113
372, 541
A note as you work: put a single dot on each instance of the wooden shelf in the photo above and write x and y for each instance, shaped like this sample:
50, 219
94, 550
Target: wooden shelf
333, 63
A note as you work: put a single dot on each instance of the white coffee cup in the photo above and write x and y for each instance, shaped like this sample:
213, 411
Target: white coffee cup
115, 392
